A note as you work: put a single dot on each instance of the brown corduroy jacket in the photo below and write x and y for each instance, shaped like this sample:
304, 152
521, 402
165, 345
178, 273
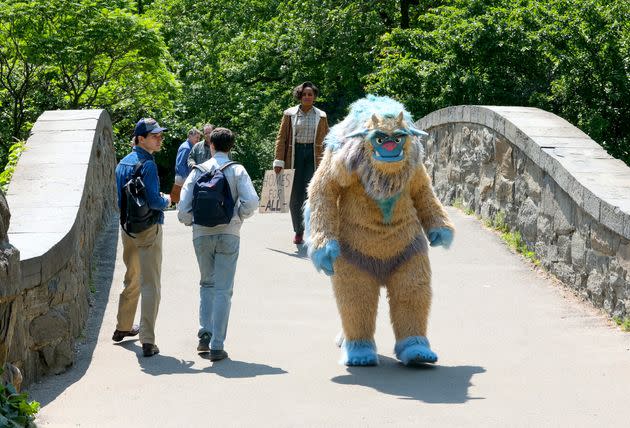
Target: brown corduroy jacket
286, 134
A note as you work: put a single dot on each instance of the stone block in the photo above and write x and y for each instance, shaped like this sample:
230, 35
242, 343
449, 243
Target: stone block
578, 250
603, 240
563, 217
564, 249
612, 217
527, 220
545, 231
43, 126
48, 327
595, 287
592, 204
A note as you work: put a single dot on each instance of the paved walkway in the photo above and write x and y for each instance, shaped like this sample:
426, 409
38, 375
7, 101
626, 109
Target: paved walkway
515, 350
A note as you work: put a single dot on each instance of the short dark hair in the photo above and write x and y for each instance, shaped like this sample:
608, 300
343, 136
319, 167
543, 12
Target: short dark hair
222, 139
136, 140
299, 90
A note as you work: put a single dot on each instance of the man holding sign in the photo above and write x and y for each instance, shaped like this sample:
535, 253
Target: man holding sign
299, 146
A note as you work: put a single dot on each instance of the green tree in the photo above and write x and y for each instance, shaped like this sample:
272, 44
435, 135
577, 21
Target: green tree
82, 54
569, 57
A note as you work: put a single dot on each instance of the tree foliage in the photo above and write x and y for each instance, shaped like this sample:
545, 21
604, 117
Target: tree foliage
234, 63
79, 54
566, 56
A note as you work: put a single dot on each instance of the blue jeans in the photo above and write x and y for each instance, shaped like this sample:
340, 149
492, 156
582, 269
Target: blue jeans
216, 256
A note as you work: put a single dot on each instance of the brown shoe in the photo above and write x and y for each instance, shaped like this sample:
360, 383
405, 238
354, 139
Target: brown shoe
120, 335
149, 349
298, 238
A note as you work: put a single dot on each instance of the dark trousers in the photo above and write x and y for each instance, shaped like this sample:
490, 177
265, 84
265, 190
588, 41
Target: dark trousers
304, 165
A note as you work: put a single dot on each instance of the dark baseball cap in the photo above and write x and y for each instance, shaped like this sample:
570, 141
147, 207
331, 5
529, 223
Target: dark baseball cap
148, 125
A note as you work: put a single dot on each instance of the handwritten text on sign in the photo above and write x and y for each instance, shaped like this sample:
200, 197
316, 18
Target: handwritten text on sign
276, 191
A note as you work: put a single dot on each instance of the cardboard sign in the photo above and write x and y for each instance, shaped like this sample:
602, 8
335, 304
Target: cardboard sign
276, 191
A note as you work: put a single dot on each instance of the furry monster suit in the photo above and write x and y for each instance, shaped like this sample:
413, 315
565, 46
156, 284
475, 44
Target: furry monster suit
370, 211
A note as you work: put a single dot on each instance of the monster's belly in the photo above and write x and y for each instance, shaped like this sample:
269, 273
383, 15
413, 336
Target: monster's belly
376, 230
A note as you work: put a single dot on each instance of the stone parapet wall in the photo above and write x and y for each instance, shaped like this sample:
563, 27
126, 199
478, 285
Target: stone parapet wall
61, 195
566, 196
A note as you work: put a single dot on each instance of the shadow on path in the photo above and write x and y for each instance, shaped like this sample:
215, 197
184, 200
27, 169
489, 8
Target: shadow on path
165, 365
103, 263
300, 253
430, 384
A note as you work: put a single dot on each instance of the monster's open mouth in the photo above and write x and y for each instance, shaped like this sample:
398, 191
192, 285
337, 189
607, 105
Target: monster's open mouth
390, 157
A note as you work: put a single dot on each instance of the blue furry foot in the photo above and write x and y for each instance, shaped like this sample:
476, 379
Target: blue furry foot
415, 350
359, 353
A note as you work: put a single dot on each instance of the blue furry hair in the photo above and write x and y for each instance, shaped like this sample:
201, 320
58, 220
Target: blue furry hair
360, 112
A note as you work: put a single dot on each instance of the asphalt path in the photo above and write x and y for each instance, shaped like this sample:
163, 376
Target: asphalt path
515, 348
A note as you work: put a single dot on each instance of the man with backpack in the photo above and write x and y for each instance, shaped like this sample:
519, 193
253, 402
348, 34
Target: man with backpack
141, 217
215, 199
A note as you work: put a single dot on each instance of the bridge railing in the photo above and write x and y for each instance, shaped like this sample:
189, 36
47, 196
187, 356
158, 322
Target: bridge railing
566, 196
61, 194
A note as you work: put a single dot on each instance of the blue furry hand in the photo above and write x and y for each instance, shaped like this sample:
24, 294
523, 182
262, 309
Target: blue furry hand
324, 258
440, 236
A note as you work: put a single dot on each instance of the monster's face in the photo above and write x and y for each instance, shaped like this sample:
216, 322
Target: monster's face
387, 147
387, 137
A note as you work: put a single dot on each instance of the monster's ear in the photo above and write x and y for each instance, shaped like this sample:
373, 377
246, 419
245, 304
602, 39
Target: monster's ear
376, 121
358, 133
400, 120
417, 132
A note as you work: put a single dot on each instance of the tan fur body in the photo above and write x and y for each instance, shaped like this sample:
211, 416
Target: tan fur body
343, 208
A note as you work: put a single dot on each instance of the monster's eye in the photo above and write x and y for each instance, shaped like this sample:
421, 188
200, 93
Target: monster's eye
379, 141
398, 140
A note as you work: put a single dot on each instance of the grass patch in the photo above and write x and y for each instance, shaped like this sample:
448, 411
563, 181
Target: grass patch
14, 155
513, 239
459, 204
516, 242
623, 323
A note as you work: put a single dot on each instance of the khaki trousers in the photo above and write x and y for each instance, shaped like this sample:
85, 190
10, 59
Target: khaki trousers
143, 258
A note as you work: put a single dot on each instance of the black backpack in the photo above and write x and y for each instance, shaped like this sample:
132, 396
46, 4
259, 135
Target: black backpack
135, 214
213, 203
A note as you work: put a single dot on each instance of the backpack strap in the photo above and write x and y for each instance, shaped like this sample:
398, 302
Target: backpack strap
123, 203
228, 164
202, 168
137, 167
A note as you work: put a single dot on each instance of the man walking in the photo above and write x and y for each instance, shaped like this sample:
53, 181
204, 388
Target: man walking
201, 151
217, 247
142, 249
181, 163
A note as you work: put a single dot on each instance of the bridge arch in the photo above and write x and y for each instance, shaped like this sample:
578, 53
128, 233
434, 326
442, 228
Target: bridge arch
61, 195
568, 198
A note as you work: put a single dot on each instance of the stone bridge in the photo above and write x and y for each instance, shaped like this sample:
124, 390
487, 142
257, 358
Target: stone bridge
546, 179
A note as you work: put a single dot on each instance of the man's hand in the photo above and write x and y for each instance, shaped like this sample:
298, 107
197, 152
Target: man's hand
277, 169
168, 198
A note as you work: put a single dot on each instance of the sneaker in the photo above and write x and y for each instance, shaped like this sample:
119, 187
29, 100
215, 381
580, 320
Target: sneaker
150, 349
120, 334
204, 343
217, 354
298, 238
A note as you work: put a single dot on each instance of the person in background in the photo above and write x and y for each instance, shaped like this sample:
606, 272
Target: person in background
217, 247
299, 145
201, 151
142, 252
181, 163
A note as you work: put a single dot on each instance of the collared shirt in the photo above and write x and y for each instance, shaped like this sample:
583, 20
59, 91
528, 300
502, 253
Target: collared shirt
242, 190
181, 162
199, 154
149, 175
305, 126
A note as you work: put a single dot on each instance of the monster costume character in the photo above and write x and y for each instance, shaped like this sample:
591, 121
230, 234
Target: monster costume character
370, 211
